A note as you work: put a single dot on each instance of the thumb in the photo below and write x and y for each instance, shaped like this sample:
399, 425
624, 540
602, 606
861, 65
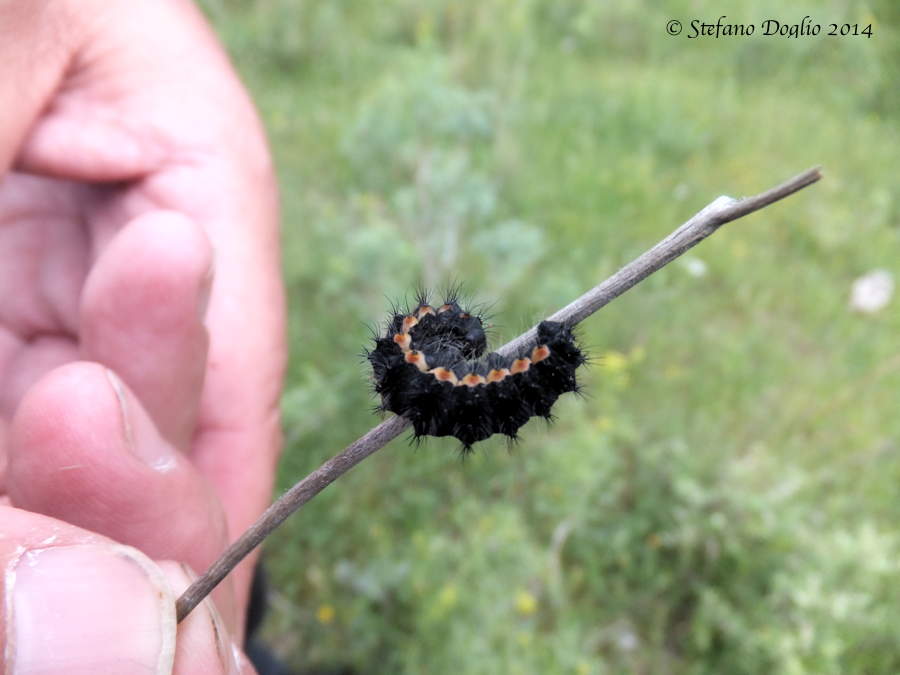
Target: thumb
79, 604
84, 450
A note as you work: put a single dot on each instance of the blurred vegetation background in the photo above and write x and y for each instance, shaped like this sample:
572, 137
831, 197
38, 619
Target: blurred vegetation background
725, 499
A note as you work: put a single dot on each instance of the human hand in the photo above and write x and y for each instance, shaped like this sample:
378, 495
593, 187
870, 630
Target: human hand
137, 189
80, 604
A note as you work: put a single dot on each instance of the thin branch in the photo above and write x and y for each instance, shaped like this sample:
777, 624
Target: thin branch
722, 210
707, 221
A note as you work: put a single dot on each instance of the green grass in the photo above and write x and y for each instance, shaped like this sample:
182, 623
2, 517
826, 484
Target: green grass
724, 501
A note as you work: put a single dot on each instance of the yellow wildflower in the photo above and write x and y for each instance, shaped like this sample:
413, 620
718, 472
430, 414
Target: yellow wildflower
447, 597
613, 361
325, 614
526, 603
603, 423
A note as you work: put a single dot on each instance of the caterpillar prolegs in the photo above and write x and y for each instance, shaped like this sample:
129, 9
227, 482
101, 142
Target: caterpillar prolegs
428, 367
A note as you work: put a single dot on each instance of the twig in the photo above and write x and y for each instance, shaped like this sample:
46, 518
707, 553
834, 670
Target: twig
707, 221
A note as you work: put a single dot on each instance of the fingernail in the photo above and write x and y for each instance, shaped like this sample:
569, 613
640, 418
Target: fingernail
91, 608
238, 657
229, 655
147, 447
206, 289
119, 391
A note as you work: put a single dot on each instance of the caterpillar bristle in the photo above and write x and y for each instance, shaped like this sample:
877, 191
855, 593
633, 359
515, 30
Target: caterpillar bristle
428, 366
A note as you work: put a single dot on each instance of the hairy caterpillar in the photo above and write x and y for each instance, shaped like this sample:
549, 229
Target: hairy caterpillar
427, 367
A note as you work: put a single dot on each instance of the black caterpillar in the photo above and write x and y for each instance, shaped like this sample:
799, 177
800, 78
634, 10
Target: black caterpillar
427, 367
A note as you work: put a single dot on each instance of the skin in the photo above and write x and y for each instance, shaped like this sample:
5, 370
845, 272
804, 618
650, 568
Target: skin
142, 323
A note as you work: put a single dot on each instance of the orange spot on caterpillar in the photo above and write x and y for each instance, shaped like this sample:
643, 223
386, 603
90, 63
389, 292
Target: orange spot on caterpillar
472, 380
520, 366
497, 374
450, 347
444, 375
417, 359
403, 340
540, 353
